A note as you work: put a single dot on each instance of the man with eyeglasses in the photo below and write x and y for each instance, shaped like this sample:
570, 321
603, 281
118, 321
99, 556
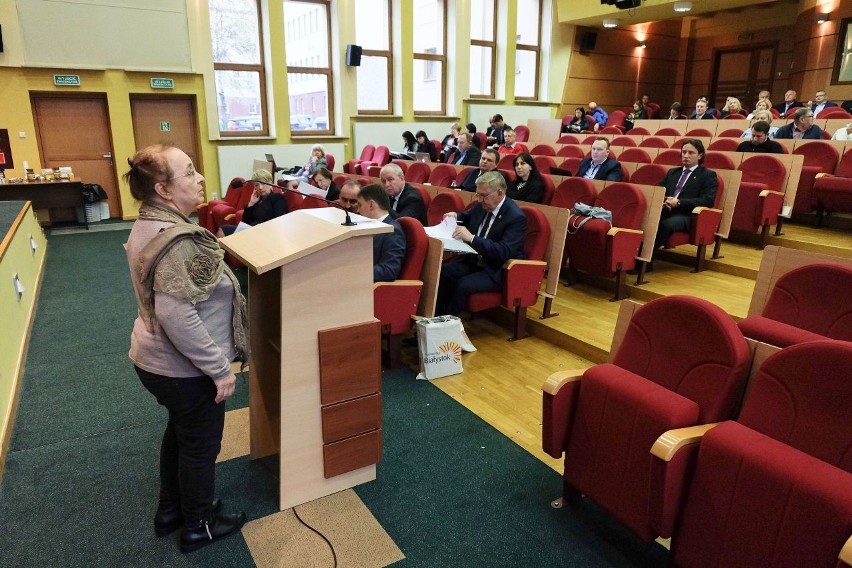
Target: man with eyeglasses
495, 227
820, 103
802, 126
487, 163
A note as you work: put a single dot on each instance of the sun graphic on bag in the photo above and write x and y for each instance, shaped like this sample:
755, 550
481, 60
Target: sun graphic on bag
454, 348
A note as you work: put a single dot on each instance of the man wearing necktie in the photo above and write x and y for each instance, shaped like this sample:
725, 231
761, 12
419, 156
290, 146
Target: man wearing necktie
599, 165
495, 227
687, 187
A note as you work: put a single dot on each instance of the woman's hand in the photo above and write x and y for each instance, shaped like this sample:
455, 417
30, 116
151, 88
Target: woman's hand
255, 197
225, 387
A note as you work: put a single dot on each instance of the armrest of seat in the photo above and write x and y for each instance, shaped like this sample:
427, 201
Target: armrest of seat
522, 281
845, 555
622, 247
770, 206
672, 464
395, 302
705, 223
560, 393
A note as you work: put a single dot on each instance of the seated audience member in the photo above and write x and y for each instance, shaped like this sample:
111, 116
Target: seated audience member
510, 146
496, 228
424, 146
789, 102
676, 112
467, 153
762, 104
599, 165
405, 201
760, 141
263, 205
638, 113
802, 126
325, 182
579, 123
487, 163
527, 185
599, 114
388, 248
496, 134
703, 111
732, 106
450, 142
843, 133
687, 187
847, 106
760, 96
645, 100
348, 198
409, 144
760, 116
315, 162
820, 103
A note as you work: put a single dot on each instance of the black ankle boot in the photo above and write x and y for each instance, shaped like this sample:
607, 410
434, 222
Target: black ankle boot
201, 533
169, 517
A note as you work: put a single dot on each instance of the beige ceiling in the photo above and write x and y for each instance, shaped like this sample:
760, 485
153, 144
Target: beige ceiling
592, 13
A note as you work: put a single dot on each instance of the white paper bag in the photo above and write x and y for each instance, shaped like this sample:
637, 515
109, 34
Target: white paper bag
441, 341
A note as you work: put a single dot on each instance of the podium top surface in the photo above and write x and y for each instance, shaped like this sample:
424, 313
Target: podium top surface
295, 235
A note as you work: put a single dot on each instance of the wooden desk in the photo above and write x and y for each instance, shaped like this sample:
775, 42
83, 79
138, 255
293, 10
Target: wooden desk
47, 195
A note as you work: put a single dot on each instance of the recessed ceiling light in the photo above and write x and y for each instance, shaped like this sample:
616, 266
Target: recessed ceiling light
682, 6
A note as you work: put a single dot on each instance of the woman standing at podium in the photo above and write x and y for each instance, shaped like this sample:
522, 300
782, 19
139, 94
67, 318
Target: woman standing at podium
191, 326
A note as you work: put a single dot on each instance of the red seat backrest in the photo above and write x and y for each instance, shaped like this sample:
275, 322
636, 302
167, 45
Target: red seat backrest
506, 161
670, 157
635, 155
652, 142
698, 132
668, 132
329, 158
833, 112
589, 140
625, 201
568, 139
314, 201
418, 172
381, 156
462, 173
549, 188
821, 154
622, 141
424, 194
766, 169
367, 152
522, 133
571, 151
444, 202
442, 175
571, 164
609, 130
573, 190
538, 233
844, 168
416, 246
294, 200
544, 163
735, 116
641, 130
810, 415
725, 144
730, 133
403, 164
649, 174
717, 161
543, 150
712, 361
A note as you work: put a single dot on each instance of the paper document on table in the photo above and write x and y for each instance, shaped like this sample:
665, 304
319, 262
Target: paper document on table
444, 232
242, 227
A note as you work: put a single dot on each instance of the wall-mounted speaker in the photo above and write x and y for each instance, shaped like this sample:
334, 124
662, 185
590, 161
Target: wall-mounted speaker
353, 55
1, 39
588, 41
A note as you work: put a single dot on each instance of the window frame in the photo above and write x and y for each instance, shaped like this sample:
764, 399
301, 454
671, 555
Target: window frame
535, 49
492, 45
388, 55
442, 58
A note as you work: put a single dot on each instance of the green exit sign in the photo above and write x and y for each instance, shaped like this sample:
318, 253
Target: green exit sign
162, 83
66, 80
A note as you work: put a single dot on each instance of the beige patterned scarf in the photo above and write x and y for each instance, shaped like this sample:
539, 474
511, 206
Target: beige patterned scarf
186, 261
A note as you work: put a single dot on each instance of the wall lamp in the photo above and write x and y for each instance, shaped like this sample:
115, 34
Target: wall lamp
822, 18
682, 6
610, 23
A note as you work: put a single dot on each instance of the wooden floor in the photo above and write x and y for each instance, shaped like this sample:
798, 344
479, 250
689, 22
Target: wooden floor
501, 382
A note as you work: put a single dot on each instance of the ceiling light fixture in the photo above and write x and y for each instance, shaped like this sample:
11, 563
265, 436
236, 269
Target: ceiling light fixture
682, 6
822, 18
610, 23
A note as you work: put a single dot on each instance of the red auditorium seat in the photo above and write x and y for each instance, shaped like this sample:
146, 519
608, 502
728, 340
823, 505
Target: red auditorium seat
543, 150
622, 141
442, 203
670, 157
731, 133
649, 174
725, 144
640, 131
462, 173
231, 197
716, 161
637, 155
544, 163
568, 139
442, 175
699, 132
418, 172
366, 155
760, 196
668, 132
571, 164
834, 193
522, 133
573, 190
653, 142
702, 230
571, 151
820, 157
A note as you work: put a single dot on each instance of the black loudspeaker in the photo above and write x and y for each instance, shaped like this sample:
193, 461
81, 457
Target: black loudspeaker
1, 39
353, 55
588, 41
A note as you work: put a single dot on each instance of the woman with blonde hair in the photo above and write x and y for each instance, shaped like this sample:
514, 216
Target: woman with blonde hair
316, 161
762, 104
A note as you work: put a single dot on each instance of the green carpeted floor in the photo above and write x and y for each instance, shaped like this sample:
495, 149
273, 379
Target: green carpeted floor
81, 477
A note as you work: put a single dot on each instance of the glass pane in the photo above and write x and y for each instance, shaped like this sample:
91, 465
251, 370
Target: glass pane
373, 83
480, 70
371, 29
306, 34
525, 73
238, 99
308, 101
482, 20
233, 27
429, 26
428, 85
528, 19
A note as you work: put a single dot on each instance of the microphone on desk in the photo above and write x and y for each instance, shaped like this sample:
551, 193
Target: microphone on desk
347, 223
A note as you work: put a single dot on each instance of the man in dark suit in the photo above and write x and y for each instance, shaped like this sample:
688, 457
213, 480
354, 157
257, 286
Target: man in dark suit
820, 103
495, 228
468, 154
703, 111
405, 201
496, 133
600, 165
760, 141
789, 102
687, 187
802, 126
388, 248
487, 163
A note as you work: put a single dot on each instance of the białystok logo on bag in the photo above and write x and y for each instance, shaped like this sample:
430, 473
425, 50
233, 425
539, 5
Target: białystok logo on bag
449, 351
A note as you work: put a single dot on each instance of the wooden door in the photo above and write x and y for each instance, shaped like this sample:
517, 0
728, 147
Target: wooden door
742, 73
74, 130
167, 118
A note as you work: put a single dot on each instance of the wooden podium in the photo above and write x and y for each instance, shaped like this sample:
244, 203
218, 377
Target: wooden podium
315, 368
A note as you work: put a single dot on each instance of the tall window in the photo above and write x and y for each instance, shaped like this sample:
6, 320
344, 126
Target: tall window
430, 56
528, 49
483, 47
238, 67
307, 41
373, 34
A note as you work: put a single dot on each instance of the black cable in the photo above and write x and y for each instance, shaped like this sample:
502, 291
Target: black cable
322, 536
